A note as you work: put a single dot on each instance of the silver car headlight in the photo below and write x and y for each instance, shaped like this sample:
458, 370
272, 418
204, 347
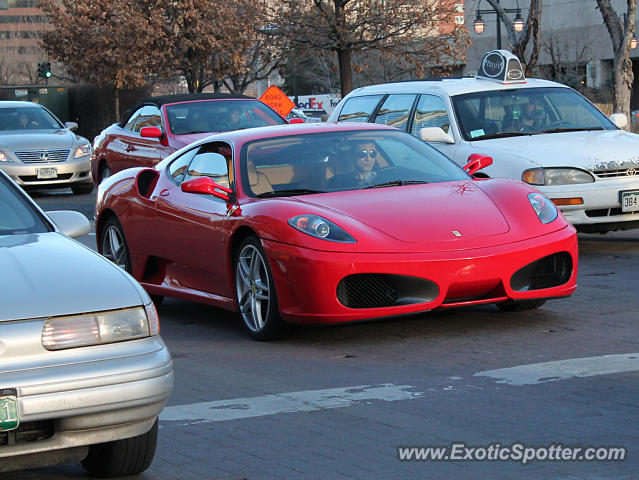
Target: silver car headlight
82, 151
543, 207
99, 328
556, 176
319, 227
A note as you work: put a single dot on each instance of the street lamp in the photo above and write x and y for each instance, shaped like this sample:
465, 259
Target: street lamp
479, 25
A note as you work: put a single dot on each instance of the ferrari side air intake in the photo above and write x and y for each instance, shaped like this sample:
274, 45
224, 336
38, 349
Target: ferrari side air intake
547, 272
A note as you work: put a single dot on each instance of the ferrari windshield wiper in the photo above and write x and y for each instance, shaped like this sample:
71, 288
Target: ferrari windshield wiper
572, 129
286, 193
396, 183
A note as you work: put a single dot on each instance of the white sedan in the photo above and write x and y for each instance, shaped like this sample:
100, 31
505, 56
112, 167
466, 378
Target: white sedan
84, 373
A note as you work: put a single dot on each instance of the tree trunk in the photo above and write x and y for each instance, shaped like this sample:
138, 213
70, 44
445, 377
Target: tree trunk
116, 96
345, 71
621, 35
623, 84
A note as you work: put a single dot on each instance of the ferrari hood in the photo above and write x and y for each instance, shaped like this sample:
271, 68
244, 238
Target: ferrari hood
47, 274
422, 213
592, 150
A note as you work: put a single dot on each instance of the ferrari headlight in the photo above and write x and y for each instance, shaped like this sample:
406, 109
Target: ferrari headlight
83, 151
544, 208
319, 227
99, 328
556, 176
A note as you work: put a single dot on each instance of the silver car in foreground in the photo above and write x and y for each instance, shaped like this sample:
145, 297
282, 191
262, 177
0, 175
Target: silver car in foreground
84, 373
39, 151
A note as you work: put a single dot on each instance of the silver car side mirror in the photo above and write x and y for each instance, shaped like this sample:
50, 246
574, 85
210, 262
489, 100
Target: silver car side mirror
71, 126
435, 134
71, 224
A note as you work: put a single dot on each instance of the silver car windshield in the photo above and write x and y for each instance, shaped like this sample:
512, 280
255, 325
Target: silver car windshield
525, 111
17, 216
27, 118
344, 160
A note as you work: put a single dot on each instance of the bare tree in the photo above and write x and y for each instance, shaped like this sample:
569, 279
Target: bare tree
519, 42
422, 32
103, 41
568, 58
621, 31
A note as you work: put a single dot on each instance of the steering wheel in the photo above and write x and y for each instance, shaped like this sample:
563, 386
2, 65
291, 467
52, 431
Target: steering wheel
559, 124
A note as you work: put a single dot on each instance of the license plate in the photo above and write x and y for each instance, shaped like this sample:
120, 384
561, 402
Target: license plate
44, 173
8, 409
630, 201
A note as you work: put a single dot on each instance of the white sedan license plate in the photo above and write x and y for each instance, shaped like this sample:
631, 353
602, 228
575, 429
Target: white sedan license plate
8, 409
44, 173
630, 201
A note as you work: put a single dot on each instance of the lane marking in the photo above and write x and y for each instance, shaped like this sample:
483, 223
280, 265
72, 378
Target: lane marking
304, 401
564, 369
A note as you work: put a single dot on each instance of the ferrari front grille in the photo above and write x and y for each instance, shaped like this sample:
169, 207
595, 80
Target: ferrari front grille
375, 290
547, 272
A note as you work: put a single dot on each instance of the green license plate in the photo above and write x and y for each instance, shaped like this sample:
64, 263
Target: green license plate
630, 201
8, 409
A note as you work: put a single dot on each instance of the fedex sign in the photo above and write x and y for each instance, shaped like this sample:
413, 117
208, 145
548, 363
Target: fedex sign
325, 102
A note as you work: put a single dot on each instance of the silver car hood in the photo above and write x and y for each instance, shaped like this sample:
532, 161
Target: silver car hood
32, 139
48, 274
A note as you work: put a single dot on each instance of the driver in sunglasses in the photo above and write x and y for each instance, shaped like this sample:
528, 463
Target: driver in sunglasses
365, 165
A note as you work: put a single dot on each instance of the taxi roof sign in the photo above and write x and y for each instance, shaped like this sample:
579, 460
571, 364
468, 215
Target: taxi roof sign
501, 66
275, 98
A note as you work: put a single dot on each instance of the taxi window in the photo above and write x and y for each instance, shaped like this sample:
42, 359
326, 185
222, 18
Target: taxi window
395, 111
359, 109
430, 112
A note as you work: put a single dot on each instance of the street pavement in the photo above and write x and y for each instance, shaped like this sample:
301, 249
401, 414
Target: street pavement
336, 402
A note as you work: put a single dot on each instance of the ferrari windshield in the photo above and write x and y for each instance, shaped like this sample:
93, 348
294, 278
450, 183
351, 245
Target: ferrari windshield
27, 118
525, 111
345, 160
219, 116
16, 215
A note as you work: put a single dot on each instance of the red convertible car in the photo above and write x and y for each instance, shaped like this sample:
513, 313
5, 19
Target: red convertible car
158, 126
322, 223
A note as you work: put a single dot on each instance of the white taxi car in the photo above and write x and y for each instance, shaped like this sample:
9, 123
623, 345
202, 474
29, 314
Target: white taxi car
541, 132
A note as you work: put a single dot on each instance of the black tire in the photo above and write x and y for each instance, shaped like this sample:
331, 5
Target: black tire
121, 458
157, 299
255, 292
82, 188
520, 305
113, 244
104, 171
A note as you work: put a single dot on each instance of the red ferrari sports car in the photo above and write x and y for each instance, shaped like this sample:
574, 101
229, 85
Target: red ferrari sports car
158, 126
330, 223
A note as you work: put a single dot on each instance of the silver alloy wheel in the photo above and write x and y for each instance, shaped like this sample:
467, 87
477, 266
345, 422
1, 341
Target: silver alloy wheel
253, 288
113, 247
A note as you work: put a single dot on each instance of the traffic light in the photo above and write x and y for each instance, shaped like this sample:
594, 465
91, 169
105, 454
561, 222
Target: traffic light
44, 69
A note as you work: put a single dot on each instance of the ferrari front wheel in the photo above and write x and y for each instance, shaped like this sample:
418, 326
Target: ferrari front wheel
113, 244
255, 290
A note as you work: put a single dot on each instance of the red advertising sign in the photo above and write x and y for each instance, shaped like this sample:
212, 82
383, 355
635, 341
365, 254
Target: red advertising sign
275, 98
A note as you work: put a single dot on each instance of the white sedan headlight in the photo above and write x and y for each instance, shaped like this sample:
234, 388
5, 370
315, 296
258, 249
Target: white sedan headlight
4, 157
83, 151
556, 176
99, 328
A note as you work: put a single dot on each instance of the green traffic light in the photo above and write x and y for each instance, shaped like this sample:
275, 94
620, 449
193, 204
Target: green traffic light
47, 74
